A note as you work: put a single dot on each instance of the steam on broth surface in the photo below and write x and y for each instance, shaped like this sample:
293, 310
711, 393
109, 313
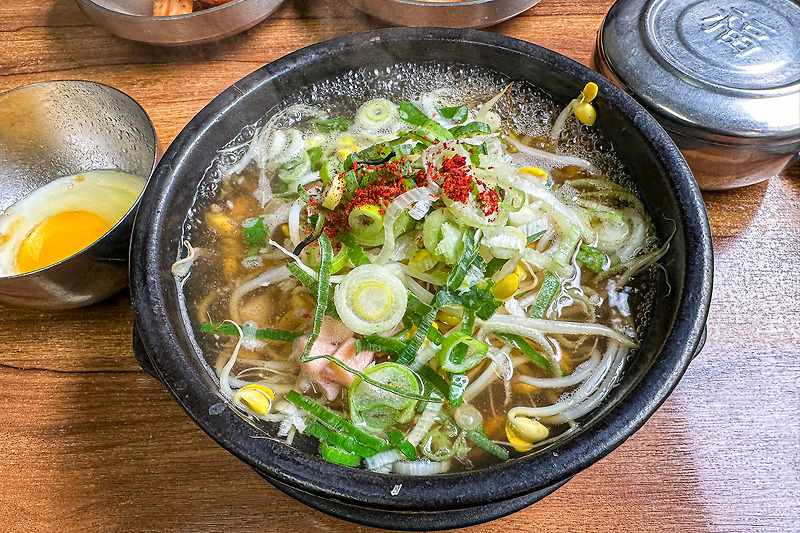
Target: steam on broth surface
419, 269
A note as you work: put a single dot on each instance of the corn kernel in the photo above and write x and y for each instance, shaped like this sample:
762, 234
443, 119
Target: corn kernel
506, 287
254, 398
285, 229
346, 141
535, 172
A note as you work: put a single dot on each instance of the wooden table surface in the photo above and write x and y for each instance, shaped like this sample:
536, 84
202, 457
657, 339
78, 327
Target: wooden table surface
89, 442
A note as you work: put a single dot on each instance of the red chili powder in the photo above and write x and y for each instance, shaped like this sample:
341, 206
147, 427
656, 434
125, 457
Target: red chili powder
458, 184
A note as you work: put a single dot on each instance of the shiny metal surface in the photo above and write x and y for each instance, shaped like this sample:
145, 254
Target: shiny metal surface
59, 128
132, 19
723, 78
452, 14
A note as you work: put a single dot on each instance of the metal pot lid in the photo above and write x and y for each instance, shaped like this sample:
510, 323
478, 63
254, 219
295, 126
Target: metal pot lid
711, 68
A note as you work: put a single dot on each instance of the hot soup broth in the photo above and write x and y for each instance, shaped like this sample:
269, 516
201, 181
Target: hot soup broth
396, 271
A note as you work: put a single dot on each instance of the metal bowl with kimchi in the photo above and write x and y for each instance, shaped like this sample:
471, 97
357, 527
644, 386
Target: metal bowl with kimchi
179, 22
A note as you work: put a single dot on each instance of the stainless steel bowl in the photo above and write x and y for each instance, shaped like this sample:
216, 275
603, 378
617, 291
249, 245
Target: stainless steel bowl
723, 79
447, 14
60, 128
132, 19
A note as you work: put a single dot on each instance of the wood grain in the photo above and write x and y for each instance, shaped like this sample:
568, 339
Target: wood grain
88, 442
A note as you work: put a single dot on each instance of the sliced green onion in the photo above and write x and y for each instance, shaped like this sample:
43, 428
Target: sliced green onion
533, 354
371, 155
295, 167
457, 360
547, 293
431, 229
266, 333
593, 259
377, 343
457, 113
422, 332
371, 299
494, 266
366, 223
335, 421
458, 384
535, 237
439, 132
330, 168
567, 246
409, 112
375, 113
323, 286
471, 244
475, 152
340, 260
378, 407
438, 439
338, 456
479, 298
432, 379
332, 124
399, 442
470, 130
255, 234
354, 252
417, 306
334, 438
316, 155
303, 277
422, 260
450, 246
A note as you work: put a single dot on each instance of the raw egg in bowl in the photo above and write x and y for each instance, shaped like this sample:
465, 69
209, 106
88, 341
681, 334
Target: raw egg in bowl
74, 159
62, 218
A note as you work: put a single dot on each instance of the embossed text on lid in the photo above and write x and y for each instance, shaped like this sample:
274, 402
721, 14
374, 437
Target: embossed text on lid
723, 70
737, 44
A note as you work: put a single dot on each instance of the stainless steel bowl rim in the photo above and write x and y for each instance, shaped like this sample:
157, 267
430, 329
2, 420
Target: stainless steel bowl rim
135, 204
151, 18
456, 14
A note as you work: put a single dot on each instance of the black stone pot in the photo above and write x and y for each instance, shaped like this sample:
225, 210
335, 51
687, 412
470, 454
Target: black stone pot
674, 336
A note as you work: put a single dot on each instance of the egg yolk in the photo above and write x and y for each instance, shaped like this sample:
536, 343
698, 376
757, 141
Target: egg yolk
59, 237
